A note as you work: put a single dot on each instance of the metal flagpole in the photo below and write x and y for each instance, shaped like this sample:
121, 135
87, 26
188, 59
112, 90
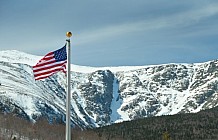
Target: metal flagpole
68, 99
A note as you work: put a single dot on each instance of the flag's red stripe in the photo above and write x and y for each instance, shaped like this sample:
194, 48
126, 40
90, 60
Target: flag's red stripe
39, 78
48, 67
44, 63
48, 72
64, 69
51, 69
44, 75
42, 69
47, 57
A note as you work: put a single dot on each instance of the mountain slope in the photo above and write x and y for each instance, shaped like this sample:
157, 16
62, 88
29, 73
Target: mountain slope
102, 96
191, 126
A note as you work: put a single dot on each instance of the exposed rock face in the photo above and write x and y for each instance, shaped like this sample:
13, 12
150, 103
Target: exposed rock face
105, 96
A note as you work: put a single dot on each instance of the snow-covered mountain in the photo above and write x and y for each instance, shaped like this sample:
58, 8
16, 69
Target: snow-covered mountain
106, 95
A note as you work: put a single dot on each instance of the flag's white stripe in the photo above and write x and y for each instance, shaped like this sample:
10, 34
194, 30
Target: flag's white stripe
49, 73
51, 55
48, 65
64, 68
45, 75
50, 69
45, 61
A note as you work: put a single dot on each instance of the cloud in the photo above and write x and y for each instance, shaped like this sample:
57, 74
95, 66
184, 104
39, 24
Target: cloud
179, 20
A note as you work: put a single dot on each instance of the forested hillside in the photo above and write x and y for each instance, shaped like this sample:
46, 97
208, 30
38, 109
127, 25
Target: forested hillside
193, 126
16, 128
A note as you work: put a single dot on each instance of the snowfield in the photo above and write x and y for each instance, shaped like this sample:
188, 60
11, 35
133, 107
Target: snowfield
105, 95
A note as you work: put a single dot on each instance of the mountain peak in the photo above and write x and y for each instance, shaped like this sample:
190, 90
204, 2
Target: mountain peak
105, 95
14, 56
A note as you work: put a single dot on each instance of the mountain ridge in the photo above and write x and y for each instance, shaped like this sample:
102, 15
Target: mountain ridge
105, 95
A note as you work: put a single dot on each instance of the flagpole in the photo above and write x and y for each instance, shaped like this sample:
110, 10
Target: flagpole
68, 99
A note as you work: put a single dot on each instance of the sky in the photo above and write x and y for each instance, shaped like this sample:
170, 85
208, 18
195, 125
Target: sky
113, 32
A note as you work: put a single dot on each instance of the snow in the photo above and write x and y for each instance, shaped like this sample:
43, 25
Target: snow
27, 104
14, 56
87, 69
181, 99
116, 103
28, 91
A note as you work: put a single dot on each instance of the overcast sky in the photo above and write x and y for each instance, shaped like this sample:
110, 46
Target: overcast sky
113, 32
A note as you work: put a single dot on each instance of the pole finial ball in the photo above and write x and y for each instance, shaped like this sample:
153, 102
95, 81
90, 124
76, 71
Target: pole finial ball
69, 34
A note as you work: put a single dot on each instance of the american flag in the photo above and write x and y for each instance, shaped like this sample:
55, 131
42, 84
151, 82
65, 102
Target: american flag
51, 63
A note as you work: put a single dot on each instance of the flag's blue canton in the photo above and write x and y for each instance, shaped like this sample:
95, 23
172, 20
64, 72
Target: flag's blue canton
61, 54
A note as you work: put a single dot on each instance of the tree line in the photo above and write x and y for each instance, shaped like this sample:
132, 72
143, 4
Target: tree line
193, 126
